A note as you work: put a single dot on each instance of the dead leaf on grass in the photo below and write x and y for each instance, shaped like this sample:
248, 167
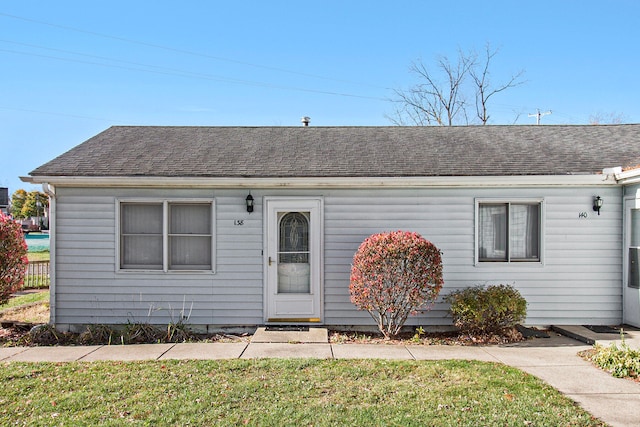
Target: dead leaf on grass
29, 313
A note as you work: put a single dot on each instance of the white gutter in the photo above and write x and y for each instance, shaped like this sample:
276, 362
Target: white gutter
631, 176
341, 182
51, 192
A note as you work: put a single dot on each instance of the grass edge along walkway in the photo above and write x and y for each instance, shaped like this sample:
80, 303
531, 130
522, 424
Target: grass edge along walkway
276, 392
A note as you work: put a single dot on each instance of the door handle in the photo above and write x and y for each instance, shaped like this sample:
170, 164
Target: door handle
270, 261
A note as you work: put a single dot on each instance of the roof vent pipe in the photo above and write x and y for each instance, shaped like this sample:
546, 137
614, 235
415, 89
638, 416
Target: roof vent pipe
305, 121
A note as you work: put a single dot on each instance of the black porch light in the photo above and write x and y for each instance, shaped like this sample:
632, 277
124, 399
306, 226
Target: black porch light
249, 201
597, 204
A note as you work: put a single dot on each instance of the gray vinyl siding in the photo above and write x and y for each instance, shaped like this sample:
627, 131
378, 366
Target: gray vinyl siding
577, 282
632, 191
90, 290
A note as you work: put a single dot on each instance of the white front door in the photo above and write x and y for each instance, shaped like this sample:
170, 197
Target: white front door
631, 283
293, 260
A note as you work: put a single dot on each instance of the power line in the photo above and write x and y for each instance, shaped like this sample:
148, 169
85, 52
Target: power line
189, 74
186, 52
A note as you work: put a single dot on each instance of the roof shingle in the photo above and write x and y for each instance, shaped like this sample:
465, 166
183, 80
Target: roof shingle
270, 152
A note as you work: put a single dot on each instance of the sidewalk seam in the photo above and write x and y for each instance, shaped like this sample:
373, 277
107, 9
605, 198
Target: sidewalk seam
91, 352
10, 356
493, 356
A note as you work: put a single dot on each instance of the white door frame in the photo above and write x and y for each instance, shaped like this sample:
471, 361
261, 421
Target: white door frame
291, 307
630, 296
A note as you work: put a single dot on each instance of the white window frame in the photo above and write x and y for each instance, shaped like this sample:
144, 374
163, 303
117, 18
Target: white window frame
509, 201
165, 233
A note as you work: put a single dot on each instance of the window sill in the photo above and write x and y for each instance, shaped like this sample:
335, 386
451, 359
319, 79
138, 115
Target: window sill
161, 272
507, 264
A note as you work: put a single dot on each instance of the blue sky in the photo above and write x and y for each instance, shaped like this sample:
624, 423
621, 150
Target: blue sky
70, 69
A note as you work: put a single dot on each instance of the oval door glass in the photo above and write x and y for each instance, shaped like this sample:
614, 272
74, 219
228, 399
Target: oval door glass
294, 270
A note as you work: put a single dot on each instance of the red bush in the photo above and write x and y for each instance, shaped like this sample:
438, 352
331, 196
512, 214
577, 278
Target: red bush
393, 275
13, 257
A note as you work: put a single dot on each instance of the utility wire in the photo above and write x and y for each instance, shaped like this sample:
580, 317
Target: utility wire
185, 52
195, 75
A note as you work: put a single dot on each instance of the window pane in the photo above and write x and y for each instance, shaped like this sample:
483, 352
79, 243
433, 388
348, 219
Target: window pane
141, 218
190, 218
141, 252
190, 253
635, 227
524, 232
141, 236
492, 232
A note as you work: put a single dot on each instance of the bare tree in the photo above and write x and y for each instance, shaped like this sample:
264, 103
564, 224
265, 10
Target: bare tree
601, 118
437, 99
441, 97
484, 90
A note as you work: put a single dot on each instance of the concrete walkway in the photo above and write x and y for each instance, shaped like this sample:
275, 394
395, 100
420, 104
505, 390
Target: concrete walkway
554, 360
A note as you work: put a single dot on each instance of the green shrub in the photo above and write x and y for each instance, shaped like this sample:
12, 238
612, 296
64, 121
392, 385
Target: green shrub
621, 361
486, 309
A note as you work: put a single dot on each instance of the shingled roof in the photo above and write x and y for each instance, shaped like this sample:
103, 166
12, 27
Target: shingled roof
270, 152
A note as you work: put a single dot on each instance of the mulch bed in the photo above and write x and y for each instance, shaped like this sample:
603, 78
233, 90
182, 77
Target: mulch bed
505, 336
30, 335
19, 335
13, 334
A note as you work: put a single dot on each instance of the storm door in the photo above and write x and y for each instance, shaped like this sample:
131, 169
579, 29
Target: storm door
293, 260
631, 285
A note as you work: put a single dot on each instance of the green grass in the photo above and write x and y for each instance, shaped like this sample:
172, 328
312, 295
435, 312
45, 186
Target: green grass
26, 299
277, 392
39, 256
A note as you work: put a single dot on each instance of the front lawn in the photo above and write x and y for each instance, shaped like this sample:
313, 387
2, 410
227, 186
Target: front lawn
39, 256
32, 307
28, 298
278, 392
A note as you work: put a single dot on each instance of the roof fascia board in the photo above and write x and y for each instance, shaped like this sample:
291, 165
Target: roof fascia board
629, 177
342, 182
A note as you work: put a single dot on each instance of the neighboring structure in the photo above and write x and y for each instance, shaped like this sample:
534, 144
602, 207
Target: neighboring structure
4, 200
245, 226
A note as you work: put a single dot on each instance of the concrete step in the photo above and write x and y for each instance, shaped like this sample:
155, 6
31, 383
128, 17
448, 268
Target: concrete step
631, 335
290, 335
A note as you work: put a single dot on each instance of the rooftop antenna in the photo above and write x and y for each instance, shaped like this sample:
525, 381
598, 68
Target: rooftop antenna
305, 121
539, 115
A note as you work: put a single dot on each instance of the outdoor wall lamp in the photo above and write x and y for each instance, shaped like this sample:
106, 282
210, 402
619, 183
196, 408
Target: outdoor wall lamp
249, 201
597, 204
